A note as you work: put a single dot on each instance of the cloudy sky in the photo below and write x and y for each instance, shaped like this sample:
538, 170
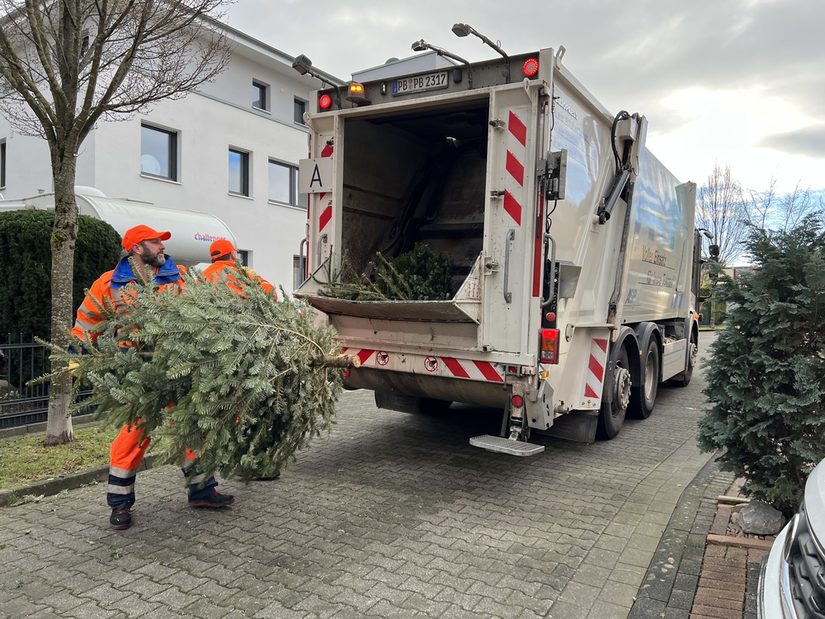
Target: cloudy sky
740, 83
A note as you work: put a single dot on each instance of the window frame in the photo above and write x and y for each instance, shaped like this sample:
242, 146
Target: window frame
304, 103
263, 89
3, 152
294, 192
245, 171
173, 152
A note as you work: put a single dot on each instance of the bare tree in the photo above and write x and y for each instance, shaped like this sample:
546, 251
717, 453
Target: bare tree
67, 64
721, 210
770, 211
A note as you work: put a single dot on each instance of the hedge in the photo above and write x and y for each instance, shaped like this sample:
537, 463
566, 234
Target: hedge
25, 267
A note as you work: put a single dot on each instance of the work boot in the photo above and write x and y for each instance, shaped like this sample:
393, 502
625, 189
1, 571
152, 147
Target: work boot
121, 519
213, 499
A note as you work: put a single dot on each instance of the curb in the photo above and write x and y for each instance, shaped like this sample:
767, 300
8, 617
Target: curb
36, 428
49, 487
673, 574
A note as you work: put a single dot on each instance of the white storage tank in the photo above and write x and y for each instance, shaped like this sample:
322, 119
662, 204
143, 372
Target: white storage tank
192, 232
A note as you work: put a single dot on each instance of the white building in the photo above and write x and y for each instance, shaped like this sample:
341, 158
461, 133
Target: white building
230, 150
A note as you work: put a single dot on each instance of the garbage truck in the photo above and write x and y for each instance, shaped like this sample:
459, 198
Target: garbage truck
572, 248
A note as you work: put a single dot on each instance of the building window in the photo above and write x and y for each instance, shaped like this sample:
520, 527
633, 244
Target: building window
283, 184
158, 152
245, 255
259, 95
300, 108
298, 268
3, 163
238, 172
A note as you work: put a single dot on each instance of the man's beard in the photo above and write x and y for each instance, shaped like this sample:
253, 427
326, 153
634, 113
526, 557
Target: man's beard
155, 260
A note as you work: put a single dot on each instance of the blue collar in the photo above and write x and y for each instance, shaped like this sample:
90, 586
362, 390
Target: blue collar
123, 273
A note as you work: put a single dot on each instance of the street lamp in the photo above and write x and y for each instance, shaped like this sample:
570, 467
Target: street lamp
421, 45
303, 65
463, 30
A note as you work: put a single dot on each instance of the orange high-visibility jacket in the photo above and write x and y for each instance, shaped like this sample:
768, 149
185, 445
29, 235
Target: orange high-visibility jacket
112, 290
224, 271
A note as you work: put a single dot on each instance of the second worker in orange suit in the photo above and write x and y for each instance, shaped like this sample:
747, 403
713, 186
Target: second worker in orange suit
224, 268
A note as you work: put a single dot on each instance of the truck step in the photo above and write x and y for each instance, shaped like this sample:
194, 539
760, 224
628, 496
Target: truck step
506, 445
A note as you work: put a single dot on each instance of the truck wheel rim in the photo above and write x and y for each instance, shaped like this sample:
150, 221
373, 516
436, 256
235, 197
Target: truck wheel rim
650, 377
694, 353
623, 384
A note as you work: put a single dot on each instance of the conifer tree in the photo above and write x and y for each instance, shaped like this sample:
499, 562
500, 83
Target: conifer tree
766, 376
243, 381
417, 275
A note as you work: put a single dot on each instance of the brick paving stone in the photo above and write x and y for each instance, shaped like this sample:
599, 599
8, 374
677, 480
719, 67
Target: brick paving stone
607, 610
386, 515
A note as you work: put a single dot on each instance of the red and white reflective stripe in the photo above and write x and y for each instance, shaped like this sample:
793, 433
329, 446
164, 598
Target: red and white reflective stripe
449, 367
473, 370
596, 365
363, 354
326, 211
514, 165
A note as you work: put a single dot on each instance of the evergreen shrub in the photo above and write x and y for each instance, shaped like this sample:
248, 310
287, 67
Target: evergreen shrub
766, 374
25, 267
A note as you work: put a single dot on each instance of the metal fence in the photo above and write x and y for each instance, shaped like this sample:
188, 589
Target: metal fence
22, 403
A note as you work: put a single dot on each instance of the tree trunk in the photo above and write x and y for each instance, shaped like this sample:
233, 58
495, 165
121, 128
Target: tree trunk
59, 424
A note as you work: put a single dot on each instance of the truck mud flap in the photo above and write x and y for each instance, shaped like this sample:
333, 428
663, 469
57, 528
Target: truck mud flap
578, 426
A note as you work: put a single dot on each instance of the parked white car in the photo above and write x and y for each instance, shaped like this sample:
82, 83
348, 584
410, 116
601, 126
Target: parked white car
792, 582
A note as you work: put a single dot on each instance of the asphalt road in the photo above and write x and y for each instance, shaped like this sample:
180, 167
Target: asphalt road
388, 515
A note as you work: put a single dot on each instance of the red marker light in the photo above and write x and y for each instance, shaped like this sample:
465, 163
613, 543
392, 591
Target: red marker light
324, 101
550, 316
530, 68
517, 401
549, 346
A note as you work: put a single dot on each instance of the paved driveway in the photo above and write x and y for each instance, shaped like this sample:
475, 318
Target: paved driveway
389, 515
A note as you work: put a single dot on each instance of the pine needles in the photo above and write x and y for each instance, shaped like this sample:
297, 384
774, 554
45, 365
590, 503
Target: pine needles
418, 275
243, 382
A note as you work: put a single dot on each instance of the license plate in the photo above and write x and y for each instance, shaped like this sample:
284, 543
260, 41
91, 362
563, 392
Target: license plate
419, 83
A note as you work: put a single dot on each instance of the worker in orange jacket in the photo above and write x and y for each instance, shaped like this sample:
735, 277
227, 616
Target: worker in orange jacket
116, 288
224, 267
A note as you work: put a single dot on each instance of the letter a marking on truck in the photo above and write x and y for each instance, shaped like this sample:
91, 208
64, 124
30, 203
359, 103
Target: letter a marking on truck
316, 177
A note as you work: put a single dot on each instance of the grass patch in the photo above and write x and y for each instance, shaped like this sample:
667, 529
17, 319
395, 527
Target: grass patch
24, 459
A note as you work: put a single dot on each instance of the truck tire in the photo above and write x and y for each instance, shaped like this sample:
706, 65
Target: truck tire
683, 378
643, 395
616, 397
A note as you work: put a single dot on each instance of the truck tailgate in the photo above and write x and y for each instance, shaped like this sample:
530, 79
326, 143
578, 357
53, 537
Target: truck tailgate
418, 311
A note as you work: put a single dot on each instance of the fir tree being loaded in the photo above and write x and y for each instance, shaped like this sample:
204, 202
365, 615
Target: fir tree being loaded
224, 270
115, 289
